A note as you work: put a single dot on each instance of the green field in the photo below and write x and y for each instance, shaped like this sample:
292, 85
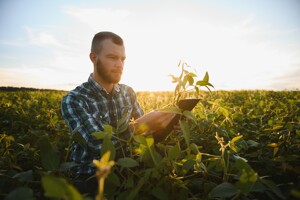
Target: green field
233, 145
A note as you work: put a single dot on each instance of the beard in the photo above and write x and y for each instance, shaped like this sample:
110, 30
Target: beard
113, 76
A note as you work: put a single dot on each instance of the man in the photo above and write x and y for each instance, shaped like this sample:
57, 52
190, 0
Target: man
102, 100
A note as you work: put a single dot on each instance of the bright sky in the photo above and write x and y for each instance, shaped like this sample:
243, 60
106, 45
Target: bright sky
243, 44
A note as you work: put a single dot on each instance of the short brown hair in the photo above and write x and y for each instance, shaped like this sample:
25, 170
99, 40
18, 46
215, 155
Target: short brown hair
99, 37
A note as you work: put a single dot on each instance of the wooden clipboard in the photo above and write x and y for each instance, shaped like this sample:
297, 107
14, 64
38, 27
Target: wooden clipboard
184, 104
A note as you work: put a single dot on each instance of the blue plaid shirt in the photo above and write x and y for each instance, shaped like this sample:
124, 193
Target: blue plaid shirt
89, 107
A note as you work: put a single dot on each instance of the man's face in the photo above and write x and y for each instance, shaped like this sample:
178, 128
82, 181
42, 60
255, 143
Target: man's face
110, 62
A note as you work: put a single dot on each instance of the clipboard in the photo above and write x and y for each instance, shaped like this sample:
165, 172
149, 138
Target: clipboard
184, 104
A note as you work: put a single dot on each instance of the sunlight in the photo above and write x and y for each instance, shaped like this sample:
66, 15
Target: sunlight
239, 50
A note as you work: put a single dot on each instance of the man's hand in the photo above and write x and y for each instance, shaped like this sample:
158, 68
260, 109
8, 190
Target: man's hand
152, 122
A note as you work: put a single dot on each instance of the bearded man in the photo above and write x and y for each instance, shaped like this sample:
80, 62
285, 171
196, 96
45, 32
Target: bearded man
102, 100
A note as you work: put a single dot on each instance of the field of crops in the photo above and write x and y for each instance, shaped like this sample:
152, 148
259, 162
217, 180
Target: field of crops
233, 145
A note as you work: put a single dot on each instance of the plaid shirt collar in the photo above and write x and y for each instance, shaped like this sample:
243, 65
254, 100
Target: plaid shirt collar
98, 88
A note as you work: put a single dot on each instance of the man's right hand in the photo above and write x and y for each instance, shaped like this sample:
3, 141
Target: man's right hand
152, 122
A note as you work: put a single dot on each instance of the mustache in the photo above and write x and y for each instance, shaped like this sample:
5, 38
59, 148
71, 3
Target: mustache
117, 71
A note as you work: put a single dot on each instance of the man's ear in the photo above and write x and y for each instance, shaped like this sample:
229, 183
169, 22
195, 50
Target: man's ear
93, 57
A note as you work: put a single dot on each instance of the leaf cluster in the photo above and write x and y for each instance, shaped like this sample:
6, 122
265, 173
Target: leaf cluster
235, 144
186, 82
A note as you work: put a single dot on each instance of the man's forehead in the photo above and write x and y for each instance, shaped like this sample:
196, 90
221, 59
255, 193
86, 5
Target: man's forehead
109, 47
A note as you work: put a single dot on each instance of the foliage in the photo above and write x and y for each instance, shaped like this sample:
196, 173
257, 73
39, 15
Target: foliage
185, 82
240, 144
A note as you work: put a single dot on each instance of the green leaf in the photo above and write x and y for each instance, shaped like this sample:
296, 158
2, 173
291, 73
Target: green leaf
208, 89
247, 176
209, 84
23, 193
129, 182
174, 78
107, 145
56, 187
275, 128
174, 152
204, 83
49, 158
127, 162
99, 135
77, 137
140, 139
206, 77
192, 74
186, 131
194, 148
147, 174
233, 141
25, 176
190, 115
252, 143
156, 157
135, 191
189, 79
149, 141
53, 120
273, 187
224, 190
108, 129
122, 124
114, 179
184, 81
159, 193
179, 63
185, 71
201, 83
188, 165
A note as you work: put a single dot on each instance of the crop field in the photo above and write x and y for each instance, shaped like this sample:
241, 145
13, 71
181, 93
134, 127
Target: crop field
232, 145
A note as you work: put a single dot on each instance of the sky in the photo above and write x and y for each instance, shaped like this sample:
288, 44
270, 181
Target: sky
242, 44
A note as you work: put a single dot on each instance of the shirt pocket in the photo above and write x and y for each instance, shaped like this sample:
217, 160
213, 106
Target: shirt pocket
101, 117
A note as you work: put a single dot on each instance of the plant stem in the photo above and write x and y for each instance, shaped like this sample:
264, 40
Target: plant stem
224, 164
100, 195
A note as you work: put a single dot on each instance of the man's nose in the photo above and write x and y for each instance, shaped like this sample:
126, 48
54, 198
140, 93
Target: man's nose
120, 63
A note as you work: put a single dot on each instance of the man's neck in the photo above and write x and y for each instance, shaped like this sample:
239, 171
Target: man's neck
107, 86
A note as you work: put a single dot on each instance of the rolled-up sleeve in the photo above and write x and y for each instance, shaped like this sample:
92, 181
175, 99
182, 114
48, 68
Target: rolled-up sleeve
137, 111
